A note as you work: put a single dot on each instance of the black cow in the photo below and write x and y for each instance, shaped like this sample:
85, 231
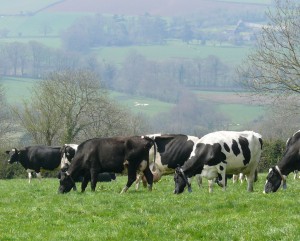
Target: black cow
35, 158
173, 150
220, 153
289, 163
115, 155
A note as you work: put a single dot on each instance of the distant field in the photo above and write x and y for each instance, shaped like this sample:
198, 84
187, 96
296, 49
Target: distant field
239, 110
28, 6
139, 104
33, 26
175, 50
17, 89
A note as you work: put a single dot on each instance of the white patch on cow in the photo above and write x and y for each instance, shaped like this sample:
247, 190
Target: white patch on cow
143, 165
193, 138
64, 160
29, 171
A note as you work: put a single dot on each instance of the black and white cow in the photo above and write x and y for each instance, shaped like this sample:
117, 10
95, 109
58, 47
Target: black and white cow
172, 150
220, 153
290, 162
115, 155
35, 158
68, 152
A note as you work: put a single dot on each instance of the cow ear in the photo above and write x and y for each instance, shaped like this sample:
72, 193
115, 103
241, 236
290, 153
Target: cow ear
7, 152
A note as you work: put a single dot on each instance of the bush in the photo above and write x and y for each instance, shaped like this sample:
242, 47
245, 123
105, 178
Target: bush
272, 153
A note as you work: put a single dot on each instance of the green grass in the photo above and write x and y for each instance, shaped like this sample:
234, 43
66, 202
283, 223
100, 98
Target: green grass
152, 108
36, 212
241, 114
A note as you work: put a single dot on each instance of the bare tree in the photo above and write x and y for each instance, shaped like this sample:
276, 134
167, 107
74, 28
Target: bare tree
5, 118
273, 69
70, 106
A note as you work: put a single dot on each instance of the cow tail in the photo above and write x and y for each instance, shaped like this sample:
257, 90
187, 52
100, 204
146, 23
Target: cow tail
154, 147
154, 156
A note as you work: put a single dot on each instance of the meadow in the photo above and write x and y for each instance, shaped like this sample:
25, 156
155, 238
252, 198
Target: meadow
37, 212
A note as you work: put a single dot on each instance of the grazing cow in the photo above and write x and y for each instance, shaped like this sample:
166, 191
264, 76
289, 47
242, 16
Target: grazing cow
290, 162
220, 153
173, 150
68, 152
35, 158
116, 155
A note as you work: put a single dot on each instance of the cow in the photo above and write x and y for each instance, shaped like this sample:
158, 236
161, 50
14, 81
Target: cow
116, 154
35, 158
68, 151
290, 162
172, 150
219, 153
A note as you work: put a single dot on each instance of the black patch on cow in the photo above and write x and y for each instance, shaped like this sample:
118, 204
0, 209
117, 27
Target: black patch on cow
261, 143
219, 177
216, 156
221, 168
235, 148
226, 147
245, 149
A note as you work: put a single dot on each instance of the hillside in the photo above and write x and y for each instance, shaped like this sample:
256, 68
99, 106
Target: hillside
128, 7
155, 7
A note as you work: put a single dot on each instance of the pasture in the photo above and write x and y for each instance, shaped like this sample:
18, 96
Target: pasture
35, 211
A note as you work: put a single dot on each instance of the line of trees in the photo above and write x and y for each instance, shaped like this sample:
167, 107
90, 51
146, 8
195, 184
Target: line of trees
137, 75
102, 30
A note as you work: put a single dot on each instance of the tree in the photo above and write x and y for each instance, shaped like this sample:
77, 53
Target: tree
5, 118
273, 68
68, 104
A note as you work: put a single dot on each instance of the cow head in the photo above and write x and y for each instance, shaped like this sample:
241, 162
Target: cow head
66, 182
181, 181
13, 155
274, 180
67, 154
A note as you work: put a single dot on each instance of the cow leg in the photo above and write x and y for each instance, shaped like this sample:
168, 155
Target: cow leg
250, 181
210, 185
29, 171
149, 177
29, 177
85, 182
234, 178
138, 180
199, 180
131, 178
94, 176
39, 176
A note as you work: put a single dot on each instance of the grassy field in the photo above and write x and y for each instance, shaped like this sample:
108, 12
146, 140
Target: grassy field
36, 212
17, 89
231, 55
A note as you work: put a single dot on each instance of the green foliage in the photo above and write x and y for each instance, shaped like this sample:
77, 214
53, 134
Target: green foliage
272, 153
35, 211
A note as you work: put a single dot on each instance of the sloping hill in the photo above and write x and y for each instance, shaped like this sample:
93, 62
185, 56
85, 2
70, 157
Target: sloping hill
155, 7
